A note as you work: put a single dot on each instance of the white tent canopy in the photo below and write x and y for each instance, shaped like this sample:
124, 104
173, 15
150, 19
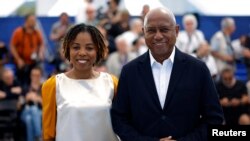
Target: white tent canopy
222, 7
204, 7
7, 7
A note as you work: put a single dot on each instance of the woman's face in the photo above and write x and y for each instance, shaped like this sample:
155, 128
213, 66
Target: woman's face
83, 52
35, 75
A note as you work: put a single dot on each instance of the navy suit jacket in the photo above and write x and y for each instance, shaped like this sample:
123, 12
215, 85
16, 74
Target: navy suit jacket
191, 103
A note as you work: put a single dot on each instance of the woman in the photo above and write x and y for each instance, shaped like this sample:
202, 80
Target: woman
76, 104
31, 110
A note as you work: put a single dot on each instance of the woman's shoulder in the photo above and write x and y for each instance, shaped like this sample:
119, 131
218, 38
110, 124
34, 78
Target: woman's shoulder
50, 81
111, 79
107, 75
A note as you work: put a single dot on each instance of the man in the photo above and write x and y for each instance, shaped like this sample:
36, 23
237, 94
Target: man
119, 58
60, 28
164, 94
203, 53
190, 38
222, 48
91, 15
58, 31
9, 87
145, 10
233, 97
27, 48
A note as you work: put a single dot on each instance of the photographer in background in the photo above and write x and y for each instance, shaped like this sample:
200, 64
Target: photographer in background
31, 109
27, 48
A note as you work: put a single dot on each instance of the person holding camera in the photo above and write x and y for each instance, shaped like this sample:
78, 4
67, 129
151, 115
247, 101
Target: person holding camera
31, 114
27, 48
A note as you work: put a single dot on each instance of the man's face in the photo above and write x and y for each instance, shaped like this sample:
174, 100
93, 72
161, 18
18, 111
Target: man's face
160, 34
31, 22
145, 10
112, 4
91, 13
64, 19
231, 29
189, 26
8, 78
227, 79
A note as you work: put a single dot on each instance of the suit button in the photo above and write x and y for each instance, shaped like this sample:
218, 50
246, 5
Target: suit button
163, 117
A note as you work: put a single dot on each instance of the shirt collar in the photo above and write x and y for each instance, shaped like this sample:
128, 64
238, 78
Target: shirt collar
152, 59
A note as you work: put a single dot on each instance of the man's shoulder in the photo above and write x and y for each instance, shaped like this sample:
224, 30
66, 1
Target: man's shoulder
193, 66
17, 34
18, 30
182, 34
191, 60
240, 83
143, 59
113, 57
217, 35
56, 24
182, 55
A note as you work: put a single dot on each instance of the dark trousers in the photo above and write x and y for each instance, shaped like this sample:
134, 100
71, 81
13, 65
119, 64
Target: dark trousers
23, 74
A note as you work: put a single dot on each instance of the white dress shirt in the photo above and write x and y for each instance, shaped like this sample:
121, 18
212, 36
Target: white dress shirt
161, 74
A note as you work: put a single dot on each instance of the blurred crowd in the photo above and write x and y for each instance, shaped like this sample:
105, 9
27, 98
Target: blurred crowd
20, 88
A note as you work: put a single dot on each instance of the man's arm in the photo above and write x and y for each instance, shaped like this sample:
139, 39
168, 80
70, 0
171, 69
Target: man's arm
211, 111
41, 52
226, 58
54, 36
215, 50
121, 114
41, 46
20, 62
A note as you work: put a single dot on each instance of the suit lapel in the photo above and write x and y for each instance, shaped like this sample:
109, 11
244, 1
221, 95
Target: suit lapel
177, 71
147, 75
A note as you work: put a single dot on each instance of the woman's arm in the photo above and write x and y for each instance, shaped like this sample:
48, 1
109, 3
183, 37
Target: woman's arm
49, 109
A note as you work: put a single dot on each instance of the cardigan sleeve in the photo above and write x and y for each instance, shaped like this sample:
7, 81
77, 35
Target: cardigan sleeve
115, 81
49, 109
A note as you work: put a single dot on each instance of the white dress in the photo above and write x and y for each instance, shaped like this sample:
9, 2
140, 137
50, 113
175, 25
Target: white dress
83, 108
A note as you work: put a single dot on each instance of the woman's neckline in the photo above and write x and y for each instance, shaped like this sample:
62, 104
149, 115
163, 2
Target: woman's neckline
94, 78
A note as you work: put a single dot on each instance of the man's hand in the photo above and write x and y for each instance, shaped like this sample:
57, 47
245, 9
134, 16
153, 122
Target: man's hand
20, 63
245, 100
235, 102
31, 96
228, 58
2, 95
224, 102
169, 138
16, 90
1, 44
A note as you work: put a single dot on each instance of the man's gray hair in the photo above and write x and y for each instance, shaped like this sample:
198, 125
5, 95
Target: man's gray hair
226, 22
190, 17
